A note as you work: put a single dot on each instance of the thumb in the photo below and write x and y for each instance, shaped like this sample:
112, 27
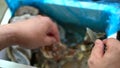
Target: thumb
98, 49
112, 45
49, 41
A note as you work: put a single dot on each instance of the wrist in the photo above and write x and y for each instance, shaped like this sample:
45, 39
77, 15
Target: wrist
13, 32
8, 35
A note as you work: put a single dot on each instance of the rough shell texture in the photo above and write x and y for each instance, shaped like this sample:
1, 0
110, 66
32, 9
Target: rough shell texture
19, 55
27, 10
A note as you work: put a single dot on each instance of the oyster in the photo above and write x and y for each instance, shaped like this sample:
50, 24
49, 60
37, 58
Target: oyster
19, 55
62, 32
50, 64
55, 51
71, 64
20, 18
27, 10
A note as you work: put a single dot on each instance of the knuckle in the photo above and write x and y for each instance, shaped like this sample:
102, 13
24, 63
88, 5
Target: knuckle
112, 41
46, 18
38, 16
90, 61
109, 41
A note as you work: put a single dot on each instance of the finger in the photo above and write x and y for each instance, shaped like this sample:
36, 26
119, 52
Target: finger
97, 51
49, 41
53, 31
111, 43
52, 28
56, 32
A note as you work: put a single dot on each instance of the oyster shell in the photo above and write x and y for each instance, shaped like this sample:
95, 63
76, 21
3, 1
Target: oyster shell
20, 18
62, 32
55, 51
27, 10
19, 55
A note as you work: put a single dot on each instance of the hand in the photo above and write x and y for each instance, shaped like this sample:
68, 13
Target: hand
109, 59
36, 32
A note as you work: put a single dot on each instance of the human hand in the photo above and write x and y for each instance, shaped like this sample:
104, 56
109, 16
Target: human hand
36, 32
109, 59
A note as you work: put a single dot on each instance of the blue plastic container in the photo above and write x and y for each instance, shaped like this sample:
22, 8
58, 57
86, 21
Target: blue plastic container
76, 15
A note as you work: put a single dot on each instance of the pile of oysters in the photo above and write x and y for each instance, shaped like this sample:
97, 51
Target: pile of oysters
59, 55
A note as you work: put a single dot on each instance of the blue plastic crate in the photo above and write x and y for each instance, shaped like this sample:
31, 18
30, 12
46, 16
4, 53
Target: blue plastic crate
76, 15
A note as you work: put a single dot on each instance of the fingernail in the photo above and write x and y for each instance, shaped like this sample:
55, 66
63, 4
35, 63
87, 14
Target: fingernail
97, 41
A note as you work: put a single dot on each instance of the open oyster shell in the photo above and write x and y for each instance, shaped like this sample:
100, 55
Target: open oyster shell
55, 51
